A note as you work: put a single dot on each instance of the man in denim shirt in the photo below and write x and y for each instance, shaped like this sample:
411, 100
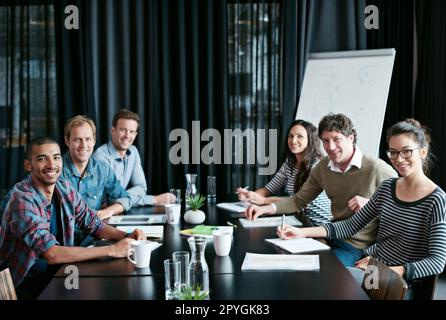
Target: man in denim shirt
94, 180
124, 158
39, 220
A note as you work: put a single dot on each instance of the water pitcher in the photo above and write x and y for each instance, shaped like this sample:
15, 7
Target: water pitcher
198, 268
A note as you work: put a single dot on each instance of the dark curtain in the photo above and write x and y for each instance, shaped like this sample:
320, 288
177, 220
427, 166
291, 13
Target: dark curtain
396, 30
315, 26
254, 88
430, 95
165, 60
27, 82
417, 31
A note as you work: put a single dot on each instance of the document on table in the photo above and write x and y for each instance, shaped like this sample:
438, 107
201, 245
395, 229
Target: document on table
254, 261
299, 245
155, 232
238, 207
269, 222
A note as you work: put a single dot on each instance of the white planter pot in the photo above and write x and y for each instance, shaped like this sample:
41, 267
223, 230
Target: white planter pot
194, 217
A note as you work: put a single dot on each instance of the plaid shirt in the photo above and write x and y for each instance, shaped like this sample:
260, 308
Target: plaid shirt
25, 232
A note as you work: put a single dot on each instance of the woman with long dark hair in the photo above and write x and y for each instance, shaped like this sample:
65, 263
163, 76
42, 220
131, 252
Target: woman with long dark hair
302, 146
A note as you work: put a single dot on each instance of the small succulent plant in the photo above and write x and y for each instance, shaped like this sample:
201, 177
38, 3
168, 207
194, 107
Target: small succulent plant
187, 293
195, 202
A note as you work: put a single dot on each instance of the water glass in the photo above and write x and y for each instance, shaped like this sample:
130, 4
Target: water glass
171, 278
183, 257
177, 194
212, 189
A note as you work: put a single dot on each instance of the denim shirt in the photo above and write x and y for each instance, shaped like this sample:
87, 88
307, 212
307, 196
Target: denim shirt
98, 186
128, 171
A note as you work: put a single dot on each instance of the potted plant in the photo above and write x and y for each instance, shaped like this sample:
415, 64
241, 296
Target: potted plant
194, 215
188, 293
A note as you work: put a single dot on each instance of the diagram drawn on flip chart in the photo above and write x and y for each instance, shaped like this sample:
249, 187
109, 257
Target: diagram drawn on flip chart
355, 83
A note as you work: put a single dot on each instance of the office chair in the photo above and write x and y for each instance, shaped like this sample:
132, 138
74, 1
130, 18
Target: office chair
7, 290
390, 285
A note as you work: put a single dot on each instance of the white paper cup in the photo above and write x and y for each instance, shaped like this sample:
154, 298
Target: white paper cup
173, 212
222, 242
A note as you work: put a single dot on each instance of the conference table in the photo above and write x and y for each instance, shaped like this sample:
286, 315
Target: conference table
116, 279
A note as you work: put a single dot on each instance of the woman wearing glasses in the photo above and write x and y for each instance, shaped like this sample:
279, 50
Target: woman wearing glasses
302, 153
412, 230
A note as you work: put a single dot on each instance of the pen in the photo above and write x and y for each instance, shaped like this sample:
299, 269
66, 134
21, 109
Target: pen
283, 222
245, 188
231, 224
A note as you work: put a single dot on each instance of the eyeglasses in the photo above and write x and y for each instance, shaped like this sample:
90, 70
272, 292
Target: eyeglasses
405, 154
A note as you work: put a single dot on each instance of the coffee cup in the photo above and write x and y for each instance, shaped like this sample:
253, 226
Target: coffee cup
141, 251
173, 212
222, 242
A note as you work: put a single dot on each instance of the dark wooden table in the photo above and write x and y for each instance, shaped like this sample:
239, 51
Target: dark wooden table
119, 279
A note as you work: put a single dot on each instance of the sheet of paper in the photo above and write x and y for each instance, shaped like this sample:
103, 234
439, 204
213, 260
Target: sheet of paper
149, 231
269, 222
254, 261
239, 207
299, 245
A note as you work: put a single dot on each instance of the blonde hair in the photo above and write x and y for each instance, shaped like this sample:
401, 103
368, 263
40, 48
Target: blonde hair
76, 122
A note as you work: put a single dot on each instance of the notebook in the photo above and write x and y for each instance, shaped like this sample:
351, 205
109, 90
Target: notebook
260, 262
299, 245
237, 209
269, 222
205, 231
151, 232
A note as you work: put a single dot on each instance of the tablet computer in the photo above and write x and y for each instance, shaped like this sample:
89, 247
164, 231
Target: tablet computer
137, 219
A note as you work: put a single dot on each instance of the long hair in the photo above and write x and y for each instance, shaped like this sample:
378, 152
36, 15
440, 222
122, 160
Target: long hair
311, 154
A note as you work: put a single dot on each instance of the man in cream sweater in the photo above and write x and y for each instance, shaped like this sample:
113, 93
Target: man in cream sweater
348, 177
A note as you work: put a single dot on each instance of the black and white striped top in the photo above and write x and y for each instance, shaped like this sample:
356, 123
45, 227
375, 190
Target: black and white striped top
412, 234
318, 211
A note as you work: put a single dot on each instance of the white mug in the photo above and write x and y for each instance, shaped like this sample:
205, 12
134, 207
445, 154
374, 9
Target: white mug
173, 212
141, 251
222, 242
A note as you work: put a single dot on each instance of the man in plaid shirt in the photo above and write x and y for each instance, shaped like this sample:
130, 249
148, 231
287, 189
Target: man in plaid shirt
39, 220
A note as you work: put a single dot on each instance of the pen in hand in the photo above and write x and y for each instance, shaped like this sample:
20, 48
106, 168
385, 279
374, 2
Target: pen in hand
283, 224
244, 188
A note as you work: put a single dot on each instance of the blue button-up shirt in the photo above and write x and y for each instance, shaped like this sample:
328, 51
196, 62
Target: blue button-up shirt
98, 186
25, 233
128, 170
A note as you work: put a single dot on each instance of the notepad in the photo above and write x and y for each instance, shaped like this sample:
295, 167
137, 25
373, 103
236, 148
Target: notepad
299, 245
260, 262
205, 231
269, 222
137, 219
153, 232
237, 208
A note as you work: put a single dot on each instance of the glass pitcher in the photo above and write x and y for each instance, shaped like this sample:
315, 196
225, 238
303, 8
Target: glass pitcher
191, 189
198, 268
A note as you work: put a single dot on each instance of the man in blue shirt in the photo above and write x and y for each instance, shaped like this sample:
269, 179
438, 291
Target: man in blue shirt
94, 180
123, 157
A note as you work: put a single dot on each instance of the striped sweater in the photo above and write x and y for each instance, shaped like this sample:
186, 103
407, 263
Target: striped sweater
318, 211
412, 234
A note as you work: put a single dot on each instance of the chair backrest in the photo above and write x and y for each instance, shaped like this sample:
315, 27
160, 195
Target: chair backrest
423, 288
7, 290
382, 283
